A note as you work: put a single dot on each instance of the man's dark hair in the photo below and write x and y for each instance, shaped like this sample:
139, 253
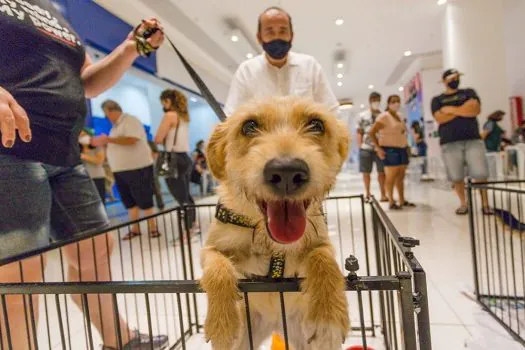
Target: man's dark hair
111, 105
200, 143
278, 9
374, 96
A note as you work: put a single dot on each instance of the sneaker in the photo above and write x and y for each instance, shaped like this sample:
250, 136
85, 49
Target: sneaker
143, 342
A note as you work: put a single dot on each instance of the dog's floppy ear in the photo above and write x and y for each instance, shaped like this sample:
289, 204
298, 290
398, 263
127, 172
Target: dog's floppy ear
343, 140
216, 151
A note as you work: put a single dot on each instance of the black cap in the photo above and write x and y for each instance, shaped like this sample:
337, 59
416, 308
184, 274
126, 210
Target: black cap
450, 72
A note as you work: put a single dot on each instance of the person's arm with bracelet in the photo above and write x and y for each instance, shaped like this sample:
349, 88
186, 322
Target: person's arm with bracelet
373, 136
100, 76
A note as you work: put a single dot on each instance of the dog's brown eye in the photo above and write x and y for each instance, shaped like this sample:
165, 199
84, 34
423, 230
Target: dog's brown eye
315, 126
250, 128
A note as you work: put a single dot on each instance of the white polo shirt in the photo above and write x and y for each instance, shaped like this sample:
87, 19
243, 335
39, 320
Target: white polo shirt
302, 75
129, 157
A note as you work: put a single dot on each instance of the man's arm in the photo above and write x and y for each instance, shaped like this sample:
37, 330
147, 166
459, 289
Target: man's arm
100, 76
123, 140
322, 91
471, 108
443, 118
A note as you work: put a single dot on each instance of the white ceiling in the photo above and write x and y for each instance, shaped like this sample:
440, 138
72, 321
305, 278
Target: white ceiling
375, 34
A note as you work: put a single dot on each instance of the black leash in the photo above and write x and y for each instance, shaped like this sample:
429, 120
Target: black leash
145, 49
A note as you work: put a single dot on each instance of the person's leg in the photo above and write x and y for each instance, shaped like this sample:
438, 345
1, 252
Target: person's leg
390, 177
25, 203
77, 209
142, 191
476, 159
101, 188
381, 177
400, 184
19, 311
454, 159
123, 180
366, 158
366, 180
88, 261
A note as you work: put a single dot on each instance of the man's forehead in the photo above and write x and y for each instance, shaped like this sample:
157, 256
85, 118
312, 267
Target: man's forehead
274, 15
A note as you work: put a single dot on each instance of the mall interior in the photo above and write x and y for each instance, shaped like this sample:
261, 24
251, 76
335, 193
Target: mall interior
427, 279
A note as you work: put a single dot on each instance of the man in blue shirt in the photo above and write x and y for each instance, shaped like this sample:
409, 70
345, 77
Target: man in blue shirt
456, 111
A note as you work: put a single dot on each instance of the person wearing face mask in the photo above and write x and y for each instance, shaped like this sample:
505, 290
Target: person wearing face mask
93, 159
492, 133
456, 111
367, 154
389, 134
278, 71
173, 133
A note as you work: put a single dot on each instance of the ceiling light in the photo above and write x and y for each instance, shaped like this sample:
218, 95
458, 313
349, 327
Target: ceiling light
401, 88
339, 22
249, 55
408, 53
346, 106
340, 65
339, 83
193, 99
370, 86
441, 2
362, 106
340, 76
234, 38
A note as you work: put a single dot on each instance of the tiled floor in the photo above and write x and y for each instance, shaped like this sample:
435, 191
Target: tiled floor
457, 322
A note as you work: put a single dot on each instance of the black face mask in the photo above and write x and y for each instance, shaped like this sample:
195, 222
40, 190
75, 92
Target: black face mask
454, 84
277, 49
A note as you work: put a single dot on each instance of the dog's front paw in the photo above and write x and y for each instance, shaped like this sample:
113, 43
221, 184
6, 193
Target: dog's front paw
326, 333
223, 324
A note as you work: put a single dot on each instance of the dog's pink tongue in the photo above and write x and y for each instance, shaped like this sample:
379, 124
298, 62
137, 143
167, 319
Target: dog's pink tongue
286, 221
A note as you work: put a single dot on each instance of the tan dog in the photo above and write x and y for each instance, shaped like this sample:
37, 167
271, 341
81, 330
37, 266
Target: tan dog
276, 160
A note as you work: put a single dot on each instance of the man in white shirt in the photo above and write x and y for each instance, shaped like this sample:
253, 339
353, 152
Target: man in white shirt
129, 157
278, 72
367, 149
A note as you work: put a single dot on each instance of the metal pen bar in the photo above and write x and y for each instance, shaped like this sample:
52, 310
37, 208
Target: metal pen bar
6, 324
60, 324
283, 317
150, 328
248, 320
85, 308
116, 317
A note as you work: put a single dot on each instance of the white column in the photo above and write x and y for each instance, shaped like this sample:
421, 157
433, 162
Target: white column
474, 43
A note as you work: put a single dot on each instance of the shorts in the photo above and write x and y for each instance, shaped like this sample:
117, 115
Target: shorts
367, 158
40, 202
471, 153
136, 187
395, 156
422, 149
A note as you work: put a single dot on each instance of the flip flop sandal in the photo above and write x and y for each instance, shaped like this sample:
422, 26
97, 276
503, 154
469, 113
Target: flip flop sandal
395, 207
155, 234
384, 200
130, 235
487, 211
409, 204
462, 211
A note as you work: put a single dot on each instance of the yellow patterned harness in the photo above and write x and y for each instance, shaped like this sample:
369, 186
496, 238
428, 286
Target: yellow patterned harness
226, 216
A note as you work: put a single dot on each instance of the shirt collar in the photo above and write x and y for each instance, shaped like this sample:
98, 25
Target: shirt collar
119, 120
292, 60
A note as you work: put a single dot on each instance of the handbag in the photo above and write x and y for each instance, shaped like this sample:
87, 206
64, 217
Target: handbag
167, 162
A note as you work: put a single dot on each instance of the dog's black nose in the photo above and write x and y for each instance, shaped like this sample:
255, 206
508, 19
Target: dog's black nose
286, 175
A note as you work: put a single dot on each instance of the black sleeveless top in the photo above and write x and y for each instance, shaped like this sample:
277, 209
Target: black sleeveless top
40, 61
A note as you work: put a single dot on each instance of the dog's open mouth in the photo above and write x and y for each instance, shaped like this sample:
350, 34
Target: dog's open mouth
285, 220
